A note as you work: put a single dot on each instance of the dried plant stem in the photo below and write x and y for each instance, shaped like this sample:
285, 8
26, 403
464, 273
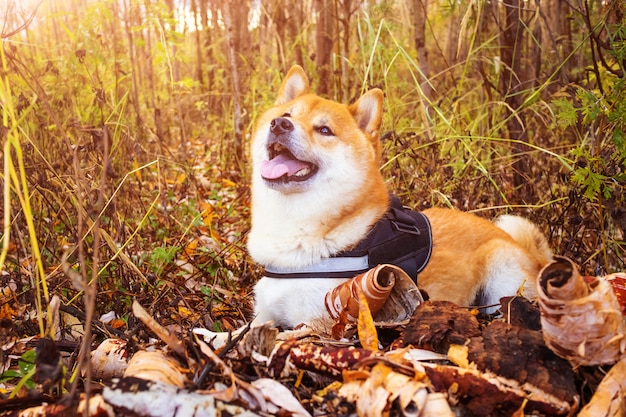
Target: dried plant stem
17, 178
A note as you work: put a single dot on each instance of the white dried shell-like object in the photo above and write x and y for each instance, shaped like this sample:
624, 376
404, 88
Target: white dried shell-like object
581, 321
156, 366
109, 360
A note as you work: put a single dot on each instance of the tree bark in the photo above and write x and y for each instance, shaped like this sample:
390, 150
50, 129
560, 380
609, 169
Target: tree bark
420, 8
135, 67
214, 104
346, 10
452, 41
511, 46
280, 22
556, 36
295, 23
197, 20
323, 45
233, 50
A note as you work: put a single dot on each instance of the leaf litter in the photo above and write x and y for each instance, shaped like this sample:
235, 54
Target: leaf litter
456, 361
446, 360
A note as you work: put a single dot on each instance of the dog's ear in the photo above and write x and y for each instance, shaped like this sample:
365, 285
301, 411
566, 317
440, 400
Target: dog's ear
368, 112
294, 85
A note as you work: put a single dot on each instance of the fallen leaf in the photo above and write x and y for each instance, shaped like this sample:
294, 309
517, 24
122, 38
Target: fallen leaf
280, 396
368, 336
609, 400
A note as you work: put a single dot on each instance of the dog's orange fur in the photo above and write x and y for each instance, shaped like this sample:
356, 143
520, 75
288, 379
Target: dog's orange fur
467, 249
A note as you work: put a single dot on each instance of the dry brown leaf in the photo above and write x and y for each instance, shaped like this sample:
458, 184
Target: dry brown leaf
377, 391
618, 282
280, 396
97, 407
458, 354
373, 396
266, 395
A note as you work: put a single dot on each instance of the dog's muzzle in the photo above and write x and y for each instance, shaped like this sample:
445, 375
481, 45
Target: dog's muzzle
286, 161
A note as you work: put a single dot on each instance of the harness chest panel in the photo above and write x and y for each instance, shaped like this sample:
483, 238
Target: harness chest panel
402, 237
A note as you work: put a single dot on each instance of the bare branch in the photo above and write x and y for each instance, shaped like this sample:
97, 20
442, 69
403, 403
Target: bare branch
23, 26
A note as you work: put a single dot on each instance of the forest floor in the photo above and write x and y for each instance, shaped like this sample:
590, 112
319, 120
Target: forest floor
187, 266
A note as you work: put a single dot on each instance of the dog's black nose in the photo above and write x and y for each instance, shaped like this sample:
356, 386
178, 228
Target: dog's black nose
280, 125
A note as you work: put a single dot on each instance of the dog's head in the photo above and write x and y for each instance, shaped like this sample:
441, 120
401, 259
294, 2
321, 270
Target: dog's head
304, 140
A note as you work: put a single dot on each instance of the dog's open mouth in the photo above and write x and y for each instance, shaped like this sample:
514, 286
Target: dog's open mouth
283, 166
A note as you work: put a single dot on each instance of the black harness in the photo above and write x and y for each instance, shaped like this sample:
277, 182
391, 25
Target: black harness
402, 237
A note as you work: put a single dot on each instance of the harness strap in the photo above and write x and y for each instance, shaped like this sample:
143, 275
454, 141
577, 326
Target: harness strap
402, 237
335, 267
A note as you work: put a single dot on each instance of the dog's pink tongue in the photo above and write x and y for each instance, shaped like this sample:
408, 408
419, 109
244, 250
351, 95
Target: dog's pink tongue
279, 166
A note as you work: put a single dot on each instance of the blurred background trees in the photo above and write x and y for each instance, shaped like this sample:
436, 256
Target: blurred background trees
491, 106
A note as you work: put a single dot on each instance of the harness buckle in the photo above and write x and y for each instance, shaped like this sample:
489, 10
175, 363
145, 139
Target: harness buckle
405, 228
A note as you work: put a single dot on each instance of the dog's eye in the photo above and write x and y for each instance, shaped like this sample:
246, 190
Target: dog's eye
325, 131
286, 115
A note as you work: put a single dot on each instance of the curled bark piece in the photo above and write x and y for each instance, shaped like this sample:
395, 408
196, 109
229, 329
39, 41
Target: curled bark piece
582, 322
325, 360
391, 295
375, 284
487, 394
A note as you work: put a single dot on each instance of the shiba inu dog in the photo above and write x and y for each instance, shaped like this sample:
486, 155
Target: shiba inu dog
317, 192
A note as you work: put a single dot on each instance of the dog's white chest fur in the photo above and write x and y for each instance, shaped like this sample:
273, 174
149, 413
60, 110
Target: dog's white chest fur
292, 301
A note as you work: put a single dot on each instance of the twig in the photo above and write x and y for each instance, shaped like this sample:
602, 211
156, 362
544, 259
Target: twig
209, 366
172, 341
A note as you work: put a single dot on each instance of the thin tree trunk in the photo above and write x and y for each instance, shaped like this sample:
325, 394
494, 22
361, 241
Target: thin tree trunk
211, 26
535, 47
567, 41
348, 8
419, 23
280, 21
323, 45
135, 70
511, 85
234, 76
198, 28
452, 42
295, 23
175, 77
